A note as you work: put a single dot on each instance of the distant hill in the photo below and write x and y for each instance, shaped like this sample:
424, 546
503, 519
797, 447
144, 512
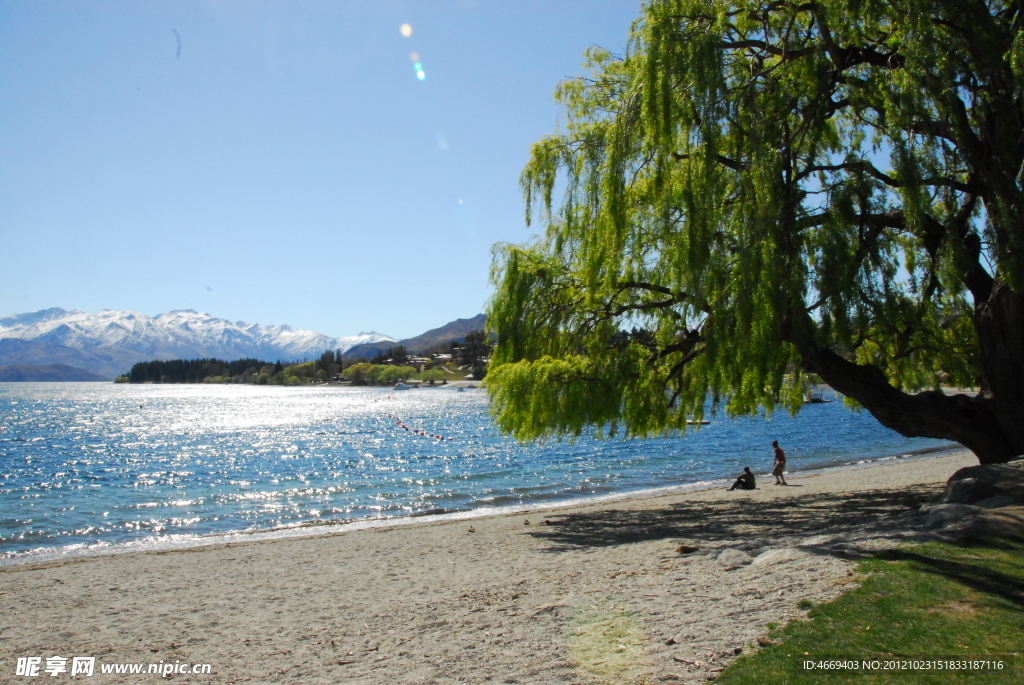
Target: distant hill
106, 363
455, 330
368, 350
27, 373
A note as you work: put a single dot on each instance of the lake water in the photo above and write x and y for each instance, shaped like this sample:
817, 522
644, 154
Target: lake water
88, 467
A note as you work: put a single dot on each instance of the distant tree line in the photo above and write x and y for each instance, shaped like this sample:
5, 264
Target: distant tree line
386, 368
255, 371
192, 370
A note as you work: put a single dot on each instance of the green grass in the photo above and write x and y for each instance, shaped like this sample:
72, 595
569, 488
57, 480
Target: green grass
930, 600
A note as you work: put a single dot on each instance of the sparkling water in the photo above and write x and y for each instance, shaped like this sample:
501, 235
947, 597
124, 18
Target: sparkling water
86, 467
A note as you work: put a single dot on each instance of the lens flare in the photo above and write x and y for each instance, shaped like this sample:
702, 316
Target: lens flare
417, 66
406, 30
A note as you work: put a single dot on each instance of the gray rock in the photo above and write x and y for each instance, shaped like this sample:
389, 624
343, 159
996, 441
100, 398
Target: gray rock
966, 491
779, 556
997, 502
1002, 522
976, 483
733, 558
943, 515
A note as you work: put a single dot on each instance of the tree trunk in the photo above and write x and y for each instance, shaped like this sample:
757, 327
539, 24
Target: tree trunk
991, 425
974, 422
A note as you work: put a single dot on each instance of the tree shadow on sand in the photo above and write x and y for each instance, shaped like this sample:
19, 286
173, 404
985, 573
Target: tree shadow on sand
796, 520
716, 521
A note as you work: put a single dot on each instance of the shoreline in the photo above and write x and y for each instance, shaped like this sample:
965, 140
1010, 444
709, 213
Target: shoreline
313, 529
579, 593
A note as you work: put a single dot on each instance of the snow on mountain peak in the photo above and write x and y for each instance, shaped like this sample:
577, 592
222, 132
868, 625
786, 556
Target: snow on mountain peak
182, 333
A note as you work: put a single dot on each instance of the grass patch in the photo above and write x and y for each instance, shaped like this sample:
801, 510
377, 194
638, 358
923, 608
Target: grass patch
930, 600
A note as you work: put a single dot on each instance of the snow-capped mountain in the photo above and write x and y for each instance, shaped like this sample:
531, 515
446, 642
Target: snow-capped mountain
181, 334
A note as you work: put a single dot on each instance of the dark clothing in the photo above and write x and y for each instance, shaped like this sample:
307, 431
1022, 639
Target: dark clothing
745, 482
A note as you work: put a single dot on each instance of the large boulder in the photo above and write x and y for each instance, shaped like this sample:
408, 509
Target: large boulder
1006, 522
944, 515
985, 482
997, 502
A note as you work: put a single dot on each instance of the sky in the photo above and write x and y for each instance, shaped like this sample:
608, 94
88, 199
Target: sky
277, 162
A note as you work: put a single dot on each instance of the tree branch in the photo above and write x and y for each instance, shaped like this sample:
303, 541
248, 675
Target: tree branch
724, 161
871, 170
784, 53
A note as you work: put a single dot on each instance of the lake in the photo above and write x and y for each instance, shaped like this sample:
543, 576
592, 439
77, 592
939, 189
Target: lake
88, 467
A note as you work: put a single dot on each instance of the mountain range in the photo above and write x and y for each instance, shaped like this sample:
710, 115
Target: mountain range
109, 342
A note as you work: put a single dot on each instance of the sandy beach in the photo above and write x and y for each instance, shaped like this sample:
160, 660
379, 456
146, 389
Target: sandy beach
581, 594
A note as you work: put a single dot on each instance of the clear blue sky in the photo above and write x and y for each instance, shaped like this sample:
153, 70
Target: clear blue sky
287, 165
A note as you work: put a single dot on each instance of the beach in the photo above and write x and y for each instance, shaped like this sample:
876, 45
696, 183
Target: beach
578, 594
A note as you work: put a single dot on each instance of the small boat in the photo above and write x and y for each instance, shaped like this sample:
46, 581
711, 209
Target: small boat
400, 385
816, 396
691, 422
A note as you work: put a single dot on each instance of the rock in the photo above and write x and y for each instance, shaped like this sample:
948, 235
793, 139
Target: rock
733, 558
976, 483
1002, 522
998, 501
966, 491
943, 515
778, 556
687, 549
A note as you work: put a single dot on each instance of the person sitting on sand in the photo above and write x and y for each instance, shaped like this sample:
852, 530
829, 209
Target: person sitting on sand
780, 464
745, 481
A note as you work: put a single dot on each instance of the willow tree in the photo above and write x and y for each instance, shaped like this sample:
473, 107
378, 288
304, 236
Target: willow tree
758, 191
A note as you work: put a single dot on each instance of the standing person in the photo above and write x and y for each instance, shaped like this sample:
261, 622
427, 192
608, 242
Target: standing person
780, 464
